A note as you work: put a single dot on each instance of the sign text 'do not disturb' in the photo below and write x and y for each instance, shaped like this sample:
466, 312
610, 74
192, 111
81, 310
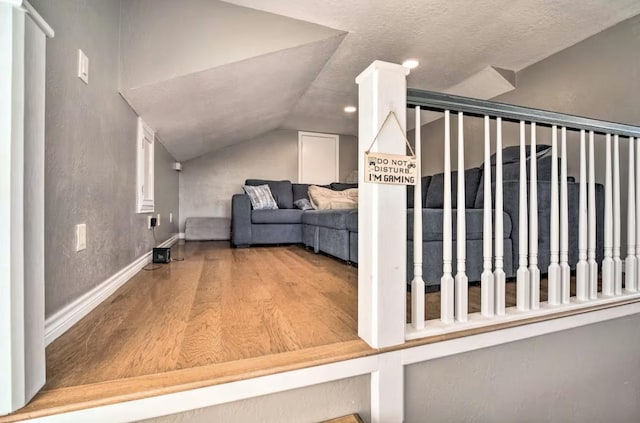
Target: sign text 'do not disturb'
393, 169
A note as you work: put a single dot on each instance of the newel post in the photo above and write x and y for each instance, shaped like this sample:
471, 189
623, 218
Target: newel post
382, 218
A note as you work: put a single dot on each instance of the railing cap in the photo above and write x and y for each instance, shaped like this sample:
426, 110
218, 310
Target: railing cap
440, 101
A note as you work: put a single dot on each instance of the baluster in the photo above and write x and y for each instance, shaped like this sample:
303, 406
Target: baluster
607, 263
630, 261
446, 282
565, 270
462, 282
498, 274
522, 276
637, 186
487, 288
554, 266
534, 271
417, 285
582, 268
617, 219
591, 250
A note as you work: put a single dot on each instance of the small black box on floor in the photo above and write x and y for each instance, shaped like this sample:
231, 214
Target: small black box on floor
162, 255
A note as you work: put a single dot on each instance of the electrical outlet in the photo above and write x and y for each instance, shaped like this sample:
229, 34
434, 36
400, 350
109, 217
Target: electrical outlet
158, 220
83, 67
81, 237
170, 217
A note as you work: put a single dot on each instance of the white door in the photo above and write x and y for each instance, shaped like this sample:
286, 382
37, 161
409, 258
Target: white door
318, 161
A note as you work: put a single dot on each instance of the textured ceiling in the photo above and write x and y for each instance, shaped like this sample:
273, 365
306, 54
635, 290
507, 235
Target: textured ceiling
201, 112
454, 41
306, 87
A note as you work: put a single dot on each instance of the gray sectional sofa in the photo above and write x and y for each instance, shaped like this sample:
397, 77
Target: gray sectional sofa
335, 232
324, 230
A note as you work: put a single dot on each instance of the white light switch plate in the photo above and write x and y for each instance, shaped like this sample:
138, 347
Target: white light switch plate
170, 217
83, 66
158, 220
81, 237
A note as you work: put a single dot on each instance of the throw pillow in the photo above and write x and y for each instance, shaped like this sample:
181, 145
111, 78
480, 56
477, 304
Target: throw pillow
303, 204
260, 196
327, 199
280, 190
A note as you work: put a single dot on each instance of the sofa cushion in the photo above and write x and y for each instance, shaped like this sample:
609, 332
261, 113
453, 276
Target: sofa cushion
339, 186
328, 199
511, 154
425, 187
432, 224
276, 216
435, 194
260, 196
511, 172
336, 219
300, 191
281, 191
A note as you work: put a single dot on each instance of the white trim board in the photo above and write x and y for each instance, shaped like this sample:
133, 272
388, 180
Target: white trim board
178, 402
58, 323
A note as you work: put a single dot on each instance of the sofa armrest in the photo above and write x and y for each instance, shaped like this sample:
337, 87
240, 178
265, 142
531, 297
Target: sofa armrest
240, 220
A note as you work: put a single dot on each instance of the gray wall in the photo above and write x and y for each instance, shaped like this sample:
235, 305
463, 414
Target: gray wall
598, 77
588, 374
348, 155
310, 404
207, 183
90, 156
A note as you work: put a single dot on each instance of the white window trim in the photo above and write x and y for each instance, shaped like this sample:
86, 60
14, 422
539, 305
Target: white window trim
145, 195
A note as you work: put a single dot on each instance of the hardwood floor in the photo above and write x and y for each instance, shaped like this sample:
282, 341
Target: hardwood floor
220, 315
218, 305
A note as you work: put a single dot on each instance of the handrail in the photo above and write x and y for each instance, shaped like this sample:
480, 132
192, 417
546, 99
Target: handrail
439, 102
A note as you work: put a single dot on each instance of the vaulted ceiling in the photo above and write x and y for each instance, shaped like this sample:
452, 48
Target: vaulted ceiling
206, 74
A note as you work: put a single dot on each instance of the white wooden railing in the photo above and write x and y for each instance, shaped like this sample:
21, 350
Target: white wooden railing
454, 291
382, 216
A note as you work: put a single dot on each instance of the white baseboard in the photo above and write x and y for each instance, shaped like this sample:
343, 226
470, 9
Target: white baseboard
58, 323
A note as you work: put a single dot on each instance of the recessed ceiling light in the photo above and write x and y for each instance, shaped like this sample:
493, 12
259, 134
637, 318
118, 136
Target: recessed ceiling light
350, 109
410, 63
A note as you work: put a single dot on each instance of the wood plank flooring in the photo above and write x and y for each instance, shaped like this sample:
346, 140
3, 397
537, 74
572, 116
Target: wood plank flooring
221, 315
218, 305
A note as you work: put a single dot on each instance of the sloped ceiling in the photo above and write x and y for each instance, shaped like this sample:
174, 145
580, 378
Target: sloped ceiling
207, 73
197, 113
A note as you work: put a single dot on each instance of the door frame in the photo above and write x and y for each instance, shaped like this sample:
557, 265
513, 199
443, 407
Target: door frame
23, 35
